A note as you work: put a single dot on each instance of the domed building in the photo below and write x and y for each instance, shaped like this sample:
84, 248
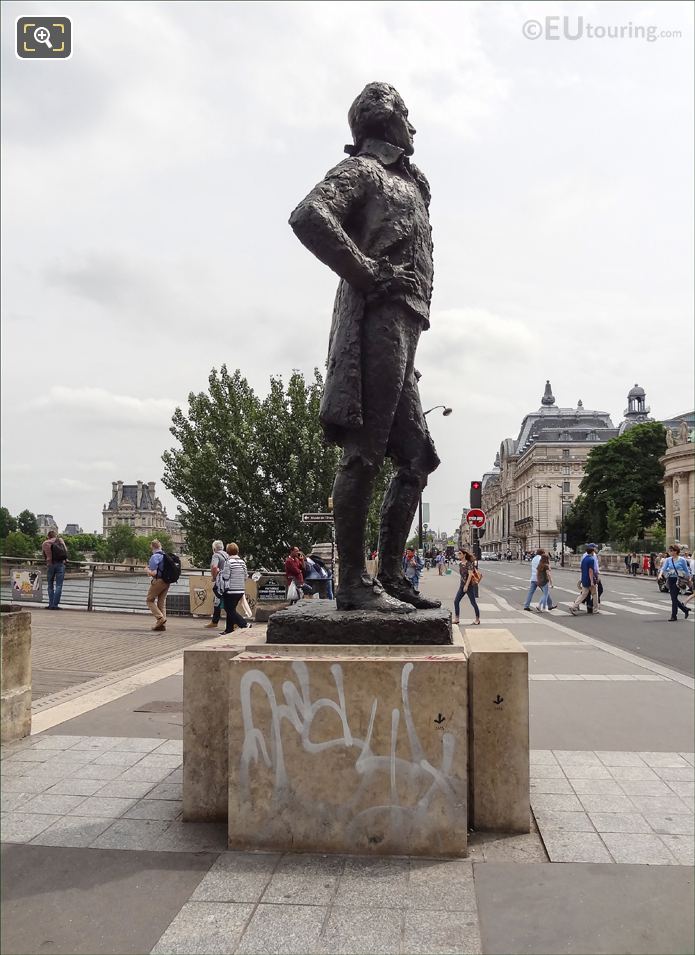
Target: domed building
536, 475
637, 411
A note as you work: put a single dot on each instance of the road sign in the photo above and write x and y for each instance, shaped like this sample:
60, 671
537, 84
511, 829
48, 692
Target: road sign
475, 517
317, 518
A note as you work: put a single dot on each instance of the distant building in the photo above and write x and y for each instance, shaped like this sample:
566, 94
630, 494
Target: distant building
679, 479
138, 506
72, 529
46, 523
536, 476
637, 411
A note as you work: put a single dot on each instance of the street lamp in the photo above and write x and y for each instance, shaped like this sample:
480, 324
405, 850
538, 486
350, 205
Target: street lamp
445, 413
562, 523
538, 508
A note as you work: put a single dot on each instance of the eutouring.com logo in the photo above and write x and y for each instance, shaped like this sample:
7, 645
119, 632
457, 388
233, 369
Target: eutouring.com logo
577, 28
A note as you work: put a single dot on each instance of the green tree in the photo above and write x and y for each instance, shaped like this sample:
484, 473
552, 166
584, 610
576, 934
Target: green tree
625, 471
17, 544
120, 543
7, 522
27, 523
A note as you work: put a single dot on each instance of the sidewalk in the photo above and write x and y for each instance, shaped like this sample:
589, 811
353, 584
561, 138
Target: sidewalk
96, 858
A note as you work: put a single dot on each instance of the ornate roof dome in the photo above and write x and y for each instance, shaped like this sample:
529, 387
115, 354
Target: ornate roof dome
636, 392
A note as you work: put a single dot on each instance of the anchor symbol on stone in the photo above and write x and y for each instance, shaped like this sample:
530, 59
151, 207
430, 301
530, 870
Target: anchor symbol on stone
500, 699
440, 719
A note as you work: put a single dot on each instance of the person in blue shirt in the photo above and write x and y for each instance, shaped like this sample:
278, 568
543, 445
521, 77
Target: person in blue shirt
589, 578
157, 594
675, 568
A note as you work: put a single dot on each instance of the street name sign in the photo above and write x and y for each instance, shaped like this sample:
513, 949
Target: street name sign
475, 517
317, 518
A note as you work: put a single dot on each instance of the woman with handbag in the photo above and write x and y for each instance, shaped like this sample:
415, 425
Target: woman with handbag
231, 584
545, 582
468, 584
677, 574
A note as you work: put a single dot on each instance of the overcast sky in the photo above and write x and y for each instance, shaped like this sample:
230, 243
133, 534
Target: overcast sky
149, 178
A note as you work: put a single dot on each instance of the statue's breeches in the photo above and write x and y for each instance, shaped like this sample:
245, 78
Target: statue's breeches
393, 422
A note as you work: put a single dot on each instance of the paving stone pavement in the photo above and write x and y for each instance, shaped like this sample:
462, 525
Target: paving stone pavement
615, 806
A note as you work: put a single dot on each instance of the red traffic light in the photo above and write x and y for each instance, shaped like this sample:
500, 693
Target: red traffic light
475, 485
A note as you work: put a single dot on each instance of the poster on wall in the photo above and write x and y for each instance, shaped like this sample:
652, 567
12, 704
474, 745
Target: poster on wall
27, 585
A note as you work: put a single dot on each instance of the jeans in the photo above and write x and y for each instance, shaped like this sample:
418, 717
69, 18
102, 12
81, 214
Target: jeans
676, 603
529, 596
216, 608
472, 594
230, 602
54, 576
543, 604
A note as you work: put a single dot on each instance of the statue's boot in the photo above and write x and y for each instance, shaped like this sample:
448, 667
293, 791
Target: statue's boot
402, 590
352, 493
368, 594
397, 513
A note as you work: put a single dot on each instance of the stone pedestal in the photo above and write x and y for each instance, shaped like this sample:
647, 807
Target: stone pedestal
319, 622
350, 749
498, 710
15, 676
205, 738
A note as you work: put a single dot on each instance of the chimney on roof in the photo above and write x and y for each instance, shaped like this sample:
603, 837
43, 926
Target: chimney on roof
138, 496
119, 492
548, 397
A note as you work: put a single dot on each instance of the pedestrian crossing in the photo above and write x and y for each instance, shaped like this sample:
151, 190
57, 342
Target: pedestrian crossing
631, 606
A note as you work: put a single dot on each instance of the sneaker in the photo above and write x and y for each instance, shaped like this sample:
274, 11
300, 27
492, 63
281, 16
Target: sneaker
528, 608
162, 625
210, 626
573, 611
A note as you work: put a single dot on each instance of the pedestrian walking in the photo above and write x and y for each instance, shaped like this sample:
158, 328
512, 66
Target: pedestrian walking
439, 561
157, 594
412, 568
544, 579
231, 584
534, 578
56, 554
294, 575
627, 563
676, 570
588, 579
218, 561
599, 588
645, 565
470, 578
652, 564
634, 564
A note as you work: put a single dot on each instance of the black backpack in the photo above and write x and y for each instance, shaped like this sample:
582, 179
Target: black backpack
170, 568
59, 552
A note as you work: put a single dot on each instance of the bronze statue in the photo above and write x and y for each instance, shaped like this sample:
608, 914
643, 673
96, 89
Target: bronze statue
368, 220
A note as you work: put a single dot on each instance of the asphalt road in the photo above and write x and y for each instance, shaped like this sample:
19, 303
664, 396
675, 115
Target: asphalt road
635, 613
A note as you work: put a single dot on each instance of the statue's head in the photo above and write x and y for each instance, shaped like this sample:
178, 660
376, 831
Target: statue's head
380, 113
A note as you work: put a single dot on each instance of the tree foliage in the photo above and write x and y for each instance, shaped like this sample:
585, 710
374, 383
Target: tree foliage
17, 544
8, 523
247, 467
620, 493
27, 523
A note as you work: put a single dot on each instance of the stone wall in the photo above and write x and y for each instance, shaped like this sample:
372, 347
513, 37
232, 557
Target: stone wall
15, 676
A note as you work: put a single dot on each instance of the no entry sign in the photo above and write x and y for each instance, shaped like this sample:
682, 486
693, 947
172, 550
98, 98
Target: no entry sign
475, 517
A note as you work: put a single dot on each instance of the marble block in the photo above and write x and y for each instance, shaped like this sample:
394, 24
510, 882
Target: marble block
349, 750
15, 674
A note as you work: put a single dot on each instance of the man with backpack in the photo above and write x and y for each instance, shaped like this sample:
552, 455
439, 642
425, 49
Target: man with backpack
164, 569
56, 554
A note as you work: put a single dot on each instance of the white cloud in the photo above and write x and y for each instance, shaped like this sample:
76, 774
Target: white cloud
150, 178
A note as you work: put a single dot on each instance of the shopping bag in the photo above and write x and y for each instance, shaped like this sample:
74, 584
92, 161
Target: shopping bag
292, 592
245, 608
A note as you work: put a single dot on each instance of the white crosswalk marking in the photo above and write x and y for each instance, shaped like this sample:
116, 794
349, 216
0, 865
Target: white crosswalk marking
648, 603
642, 613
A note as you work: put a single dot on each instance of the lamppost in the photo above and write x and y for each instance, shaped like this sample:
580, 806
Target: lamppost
538, 509
562, 524
445, 412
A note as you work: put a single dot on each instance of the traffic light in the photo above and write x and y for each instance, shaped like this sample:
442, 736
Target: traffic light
476, 493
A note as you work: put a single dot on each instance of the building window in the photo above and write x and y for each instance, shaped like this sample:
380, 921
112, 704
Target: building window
565, 452
565, 487
677, 526
566, 469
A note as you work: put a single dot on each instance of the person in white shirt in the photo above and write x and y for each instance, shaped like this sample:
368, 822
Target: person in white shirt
534, 578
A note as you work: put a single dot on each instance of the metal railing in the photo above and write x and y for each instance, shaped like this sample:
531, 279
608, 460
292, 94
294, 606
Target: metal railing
91, 585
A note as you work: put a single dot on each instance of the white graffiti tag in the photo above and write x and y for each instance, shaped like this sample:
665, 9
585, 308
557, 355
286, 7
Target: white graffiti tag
414, 775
